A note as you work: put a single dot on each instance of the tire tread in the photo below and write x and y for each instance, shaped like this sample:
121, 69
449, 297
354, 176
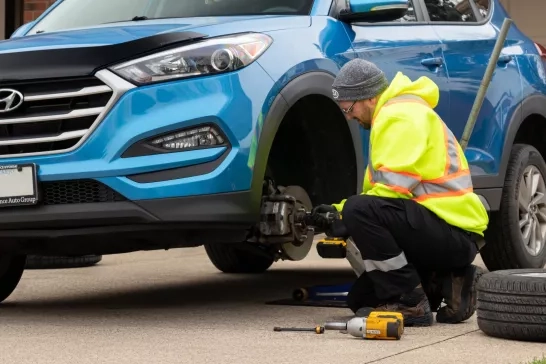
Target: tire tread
57, 262
229, 259
11, 278
511, 306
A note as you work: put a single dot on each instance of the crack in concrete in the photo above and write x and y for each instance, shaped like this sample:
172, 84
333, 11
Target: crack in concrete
420, 347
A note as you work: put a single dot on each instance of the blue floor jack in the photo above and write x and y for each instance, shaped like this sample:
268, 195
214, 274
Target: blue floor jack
330, 295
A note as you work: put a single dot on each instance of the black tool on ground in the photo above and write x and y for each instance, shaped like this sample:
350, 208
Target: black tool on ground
316, 329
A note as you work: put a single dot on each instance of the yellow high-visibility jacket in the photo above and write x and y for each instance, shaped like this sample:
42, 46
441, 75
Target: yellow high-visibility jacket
414, 155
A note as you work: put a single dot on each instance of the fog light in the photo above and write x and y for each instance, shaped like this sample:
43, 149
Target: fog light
204, 136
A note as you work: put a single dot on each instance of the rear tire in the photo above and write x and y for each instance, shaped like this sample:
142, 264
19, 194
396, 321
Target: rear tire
11, 271
506, 246
229, 258
512, 305
59, 262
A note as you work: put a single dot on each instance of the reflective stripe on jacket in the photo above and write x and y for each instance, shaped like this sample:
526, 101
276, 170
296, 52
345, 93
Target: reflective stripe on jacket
413, 155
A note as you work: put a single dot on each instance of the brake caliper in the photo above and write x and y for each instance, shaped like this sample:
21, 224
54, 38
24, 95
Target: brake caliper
282, 218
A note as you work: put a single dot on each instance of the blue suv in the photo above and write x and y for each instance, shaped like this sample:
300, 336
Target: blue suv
132, 125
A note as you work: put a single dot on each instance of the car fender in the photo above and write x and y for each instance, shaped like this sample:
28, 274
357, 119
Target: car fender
309, 83
534, 104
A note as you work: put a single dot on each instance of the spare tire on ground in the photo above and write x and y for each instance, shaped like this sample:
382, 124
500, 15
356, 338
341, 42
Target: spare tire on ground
512, 304
59, 262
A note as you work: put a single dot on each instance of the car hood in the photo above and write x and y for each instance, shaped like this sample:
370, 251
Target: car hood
115, 33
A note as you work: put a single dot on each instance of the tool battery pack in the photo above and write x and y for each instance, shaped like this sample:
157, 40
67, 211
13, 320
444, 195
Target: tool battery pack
332, 248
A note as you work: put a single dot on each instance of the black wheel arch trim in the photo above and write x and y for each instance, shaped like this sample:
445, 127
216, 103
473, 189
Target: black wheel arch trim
534, 104
309, 83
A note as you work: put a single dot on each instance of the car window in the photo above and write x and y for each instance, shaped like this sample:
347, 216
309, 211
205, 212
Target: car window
483, 7
82, 13
407, 18
450, 10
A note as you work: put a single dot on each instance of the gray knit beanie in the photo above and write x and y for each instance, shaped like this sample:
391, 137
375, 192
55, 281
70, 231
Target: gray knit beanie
359, 80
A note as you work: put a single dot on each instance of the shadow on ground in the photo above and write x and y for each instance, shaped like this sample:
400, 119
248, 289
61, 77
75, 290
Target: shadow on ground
219, 288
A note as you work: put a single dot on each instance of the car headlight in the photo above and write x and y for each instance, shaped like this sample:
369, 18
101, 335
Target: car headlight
211, 56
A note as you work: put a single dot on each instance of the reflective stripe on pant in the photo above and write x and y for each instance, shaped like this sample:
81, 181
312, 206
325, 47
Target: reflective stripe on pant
396, 237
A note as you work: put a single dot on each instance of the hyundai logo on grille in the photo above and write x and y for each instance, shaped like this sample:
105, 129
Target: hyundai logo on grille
10, 100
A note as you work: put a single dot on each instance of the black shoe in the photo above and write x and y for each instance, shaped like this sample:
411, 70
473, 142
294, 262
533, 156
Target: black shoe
459, 291
432, 286
414, 306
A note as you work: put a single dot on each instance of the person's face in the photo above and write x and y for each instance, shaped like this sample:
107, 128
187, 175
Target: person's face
360, 110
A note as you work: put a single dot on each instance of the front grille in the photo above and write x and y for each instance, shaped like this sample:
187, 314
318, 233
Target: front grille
53, 117
77, 191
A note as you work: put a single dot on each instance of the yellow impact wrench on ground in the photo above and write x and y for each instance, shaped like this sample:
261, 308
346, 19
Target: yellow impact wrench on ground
377, 326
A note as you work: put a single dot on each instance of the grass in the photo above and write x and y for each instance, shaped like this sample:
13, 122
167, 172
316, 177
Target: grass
538, 361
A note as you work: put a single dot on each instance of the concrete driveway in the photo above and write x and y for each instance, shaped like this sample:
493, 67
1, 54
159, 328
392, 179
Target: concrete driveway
174, 307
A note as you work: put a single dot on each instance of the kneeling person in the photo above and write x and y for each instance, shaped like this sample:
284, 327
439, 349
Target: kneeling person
417, 221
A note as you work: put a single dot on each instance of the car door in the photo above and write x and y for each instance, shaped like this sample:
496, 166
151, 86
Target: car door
468, 36
408, 45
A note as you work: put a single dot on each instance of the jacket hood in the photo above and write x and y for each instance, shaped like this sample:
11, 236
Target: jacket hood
423, 87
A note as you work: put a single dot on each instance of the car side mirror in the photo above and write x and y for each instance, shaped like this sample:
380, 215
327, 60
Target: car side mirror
374, 11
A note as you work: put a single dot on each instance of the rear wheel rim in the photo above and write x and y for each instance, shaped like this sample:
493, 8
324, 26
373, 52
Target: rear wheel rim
532, 210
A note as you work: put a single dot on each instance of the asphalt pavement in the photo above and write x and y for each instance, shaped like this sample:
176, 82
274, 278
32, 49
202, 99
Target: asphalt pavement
175, 307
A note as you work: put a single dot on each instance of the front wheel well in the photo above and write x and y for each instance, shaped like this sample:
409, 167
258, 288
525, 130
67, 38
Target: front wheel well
533, 132
313, 148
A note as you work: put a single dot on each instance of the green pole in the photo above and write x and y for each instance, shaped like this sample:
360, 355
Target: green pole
485, 83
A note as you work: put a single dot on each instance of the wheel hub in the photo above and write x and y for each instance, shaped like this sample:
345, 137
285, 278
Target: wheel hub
532, 210
281, 224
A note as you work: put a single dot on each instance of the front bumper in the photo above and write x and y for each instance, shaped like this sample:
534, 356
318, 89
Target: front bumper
233, 102
126, 226
226, 210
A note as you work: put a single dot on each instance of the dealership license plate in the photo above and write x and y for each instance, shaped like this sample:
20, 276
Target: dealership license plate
18, 185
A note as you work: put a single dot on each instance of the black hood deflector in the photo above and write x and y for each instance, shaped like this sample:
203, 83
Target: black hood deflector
83, 61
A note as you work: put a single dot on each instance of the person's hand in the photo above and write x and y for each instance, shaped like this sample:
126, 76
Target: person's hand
323, 209
337, 229
318, 216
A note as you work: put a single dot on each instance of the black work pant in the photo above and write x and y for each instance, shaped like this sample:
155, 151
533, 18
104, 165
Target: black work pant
401, 242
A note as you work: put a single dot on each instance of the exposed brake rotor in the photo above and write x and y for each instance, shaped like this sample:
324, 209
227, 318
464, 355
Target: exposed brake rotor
300, 247
282, 224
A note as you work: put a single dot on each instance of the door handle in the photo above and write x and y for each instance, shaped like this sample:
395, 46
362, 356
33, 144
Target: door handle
505, 58
430, 62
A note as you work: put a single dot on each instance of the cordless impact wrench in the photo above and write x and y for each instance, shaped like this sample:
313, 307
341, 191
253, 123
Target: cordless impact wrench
376, 326
340, 246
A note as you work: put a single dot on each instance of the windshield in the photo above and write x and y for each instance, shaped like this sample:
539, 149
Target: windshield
81, 13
